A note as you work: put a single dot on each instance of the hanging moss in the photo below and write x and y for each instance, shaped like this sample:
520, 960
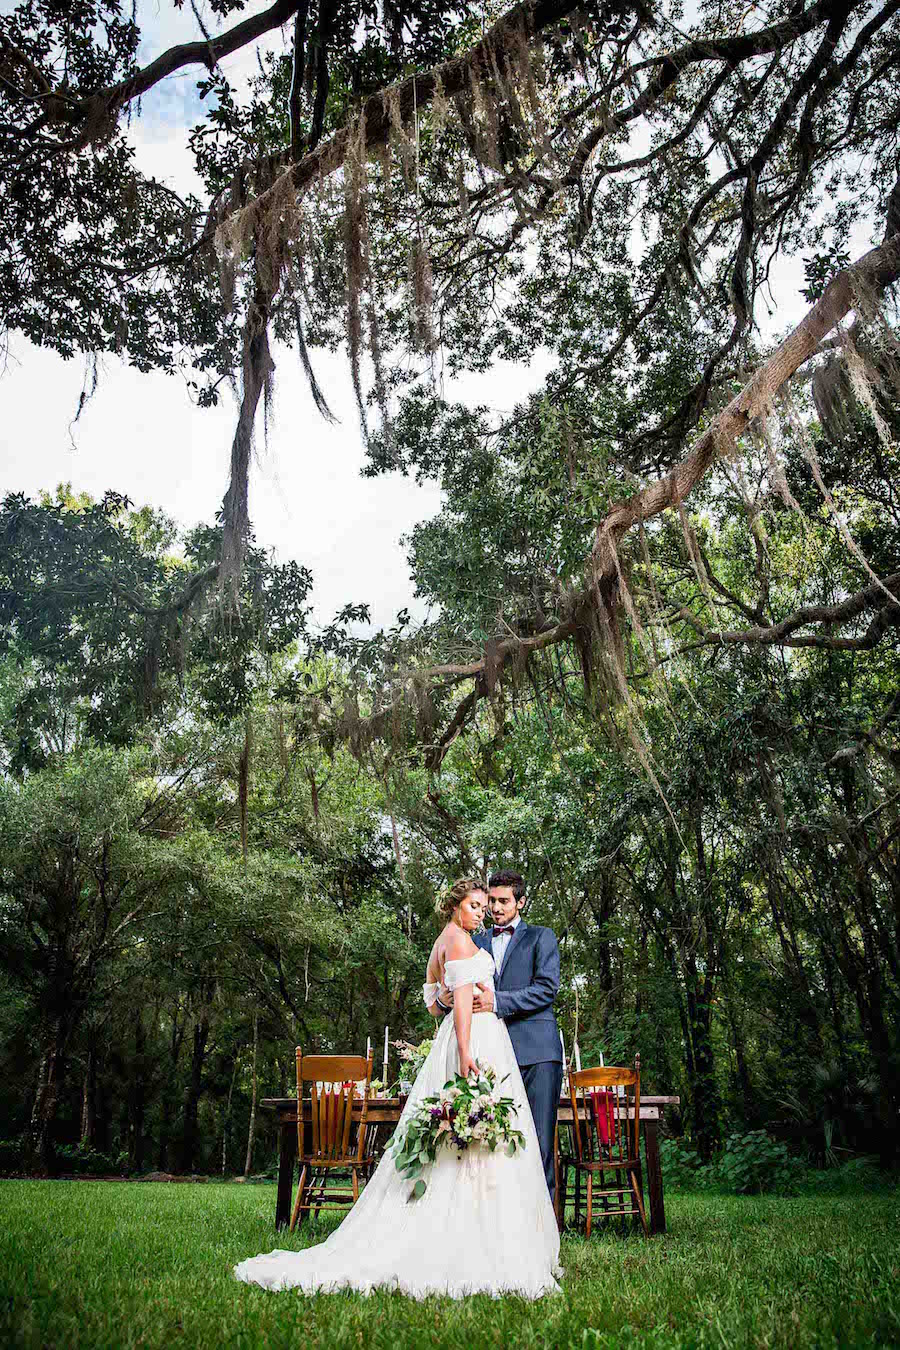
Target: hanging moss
354, 257
420, 296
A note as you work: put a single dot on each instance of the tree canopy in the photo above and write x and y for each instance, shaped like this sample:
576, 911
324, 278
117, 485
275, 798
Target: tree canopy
498, 162
661, 669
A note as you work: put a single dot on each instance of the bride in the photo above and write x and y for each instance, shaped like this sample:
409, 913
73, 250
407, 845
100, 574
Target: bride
485, 1223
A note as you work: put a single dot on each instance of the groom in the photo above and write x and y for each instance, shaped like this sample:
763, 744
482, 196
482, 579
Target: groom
526, 958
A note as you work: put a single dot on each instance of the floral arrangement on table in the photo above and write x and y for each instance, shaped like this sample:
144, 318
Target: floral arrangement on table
412, 1058
467, 1112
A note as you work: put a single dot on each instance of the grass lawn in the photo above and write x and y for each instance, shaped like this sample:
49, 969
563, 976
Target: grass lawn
96, 1263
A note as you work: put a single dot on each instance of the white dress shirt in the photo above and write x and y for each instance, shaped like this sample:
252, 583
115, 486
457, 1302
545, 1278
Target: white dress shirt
500, 944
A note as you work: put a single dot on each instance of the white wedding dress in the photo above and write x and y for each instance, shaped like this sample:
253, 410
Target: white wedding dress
485, 1223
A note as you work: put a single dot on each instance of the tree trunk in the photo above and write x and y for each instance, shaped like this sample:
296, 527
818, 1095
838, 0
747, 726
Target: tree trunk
704, 1091
168, 1091
39, 1153
89, 1101
251, 1132
244, 785
313, 793
137, 1097
226, 1120
194, 1090
395, 835
743, 1072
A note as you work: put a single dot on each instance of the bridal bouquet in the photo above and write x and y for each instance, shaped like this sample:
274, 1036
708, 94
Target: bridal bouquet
466, 1113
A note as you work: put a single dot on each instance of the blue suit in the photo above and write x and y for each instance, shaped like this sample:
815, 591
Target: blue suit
524, 989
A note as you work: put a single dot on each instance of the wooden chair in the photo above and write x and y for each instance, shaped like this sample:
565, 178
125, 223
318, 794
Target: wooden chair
340, 1144
594, 1157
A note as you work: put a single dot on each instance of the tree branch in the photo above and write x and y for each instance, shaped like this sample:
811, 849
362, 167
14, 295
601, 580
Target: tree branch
781, 634
874, 271
200, 53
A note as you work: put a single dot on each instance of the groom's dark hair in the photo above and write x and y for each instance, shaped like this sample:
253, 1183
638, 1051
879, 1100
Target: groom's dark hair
507, 877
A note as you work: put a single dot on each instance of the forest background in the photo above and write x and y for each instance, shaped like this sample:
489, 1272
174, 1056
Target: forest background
660, 672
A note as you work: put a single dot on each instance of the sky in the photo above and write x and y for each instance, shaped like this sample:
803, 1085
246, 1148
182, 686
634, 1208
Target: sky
142, 436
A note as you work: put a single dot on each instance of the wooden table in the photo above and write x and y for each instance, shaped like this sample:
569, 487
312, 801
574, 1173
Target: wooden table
386, 1111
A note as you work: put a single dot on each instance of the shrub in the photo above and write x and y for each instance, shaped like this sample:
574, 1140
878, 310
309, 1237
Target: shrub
682, 1168
10, 1156
755, 1162
74, 1158
749, 1164
857, 1174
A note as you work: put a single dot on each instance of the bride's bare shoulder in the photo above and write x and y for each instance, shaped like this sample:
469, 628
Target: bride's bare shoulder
457, 945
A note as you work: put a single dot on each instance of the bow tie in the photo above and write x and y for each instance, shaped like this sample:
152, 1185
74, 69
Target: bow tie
499, 931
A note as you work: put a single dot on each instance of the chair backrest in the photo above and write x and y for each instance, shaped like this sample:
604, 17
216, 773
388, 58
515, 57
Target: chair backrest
332, 1083
613, 1105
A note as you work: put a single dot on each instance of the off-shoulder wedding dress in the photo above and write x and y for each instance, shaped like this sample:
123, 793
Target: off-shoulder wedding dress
485, 1223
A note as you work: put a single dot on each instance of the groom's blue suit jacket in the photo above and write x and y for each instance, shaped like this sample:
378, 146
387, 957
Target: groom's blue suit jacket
524, 989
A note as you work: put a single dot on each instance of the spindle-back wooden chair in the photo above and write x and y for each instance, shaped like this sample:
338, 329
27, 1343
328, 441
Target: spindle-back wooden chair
593, 1157
338, 1142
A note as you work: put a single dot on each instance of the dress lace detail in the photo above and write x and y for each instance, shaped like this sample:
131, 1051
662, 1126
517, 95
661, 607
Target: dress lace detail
485, 1223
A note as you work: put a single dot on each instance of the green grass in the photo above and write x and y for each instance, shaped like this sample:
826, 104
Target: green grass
104, 1264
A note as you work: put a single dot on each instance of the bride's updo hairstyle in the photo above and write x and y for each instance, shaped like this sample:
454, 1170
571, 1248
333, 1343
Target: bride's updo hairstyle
451, 900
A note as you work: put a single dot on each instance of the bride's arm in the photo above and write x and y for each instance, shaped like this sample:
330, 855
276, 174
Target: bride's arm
462, 1021
459, 949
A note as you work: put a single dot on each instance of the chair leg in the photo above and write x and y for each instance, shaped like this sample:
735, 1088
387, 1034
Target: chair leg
640, 1201
590, 1203
298, 1201
605, 1199
577, 1197
355, 1186
320, 1193
562, 1196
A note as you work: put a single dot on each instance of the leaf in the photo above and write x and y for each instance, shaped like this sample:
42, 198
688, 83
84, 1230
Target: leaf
417, 1191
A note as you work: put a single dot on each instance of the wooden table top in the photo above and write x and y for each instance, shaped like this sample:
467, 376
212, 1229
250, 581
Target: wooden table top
386, 1110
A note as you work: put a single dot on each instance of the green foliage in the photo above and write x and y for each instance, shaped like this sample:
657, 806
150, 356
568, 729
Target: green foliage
12, 1156
753, 1163
856, 1176
89, 1162
749, 1164
104, 616
682, 1167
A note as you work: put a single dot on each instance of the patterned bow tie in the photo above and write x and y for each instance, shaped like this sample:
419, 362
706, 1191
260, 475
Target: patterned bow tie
498, 931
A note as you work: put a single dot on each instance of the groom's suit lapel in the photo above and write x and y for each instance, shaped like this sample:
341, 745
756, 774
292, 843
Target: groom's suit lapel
517, 936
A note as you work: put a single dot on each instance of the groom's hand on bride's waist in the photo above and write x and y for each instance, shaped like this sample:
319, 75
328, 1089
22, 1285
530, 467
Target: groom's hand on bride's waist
483, 999
444, 999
